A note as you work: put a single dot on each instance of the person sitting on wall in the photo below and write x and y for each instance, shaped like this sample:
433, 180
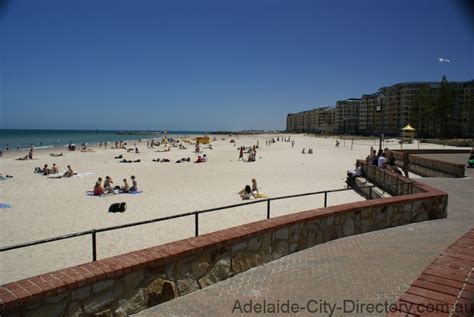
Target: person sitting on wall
351, 175
382, 162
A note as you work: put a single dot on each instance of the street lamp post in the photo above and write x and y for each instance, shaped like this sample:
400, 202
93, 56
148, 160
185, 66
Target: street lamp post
378, 109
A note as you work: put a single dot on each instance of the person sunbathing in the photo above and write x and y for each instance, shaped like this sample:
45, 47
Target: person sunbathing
98, 190
108, 185
199, 160
125, 188
46, 170
69, 172
247, 194
134, 187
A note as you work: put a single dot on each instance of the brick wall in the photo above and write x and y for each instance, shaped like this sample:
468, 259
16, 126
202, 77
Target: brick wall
131, 282
445, 287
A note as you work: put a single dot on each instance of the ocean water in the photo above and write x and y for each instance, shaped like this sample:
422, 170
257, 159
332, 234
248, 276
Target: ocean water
57, 138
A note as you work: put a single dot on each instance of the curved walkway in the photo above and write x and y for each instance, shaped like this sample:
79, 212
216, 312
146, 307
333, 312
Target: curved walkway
340, 276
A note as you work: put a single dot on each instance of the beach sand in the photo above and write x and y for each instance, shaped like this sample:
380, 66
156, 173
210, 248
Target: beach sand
42, 207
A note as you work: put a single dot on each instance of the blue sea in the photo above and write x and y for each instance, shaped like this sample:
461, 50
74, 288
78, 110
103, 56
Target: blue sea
58, 138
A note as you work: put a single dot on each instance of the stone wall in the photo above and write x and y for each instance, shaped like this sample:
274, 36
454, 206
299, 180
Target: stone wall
430, 167
128, 283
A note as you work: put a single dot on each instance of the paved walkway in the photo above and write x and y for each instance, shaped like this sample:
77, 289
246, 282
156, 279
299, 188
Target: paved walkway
370, 268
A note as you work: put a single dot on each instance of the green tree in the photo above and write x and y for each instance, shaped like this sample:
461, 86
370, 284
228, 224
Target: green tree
445, 112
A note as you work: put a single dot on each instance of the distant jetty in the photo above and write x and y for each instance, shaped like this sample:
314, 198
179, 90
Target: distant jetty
136, 132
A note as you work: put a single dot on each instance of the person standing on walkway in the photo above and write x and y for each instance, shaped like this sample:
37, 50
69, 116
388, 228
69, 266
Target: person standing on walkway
406, 164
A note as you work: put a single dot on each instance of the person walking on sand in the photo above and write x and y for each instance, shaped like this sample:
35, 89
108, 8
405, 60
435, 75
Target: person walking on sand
241, 154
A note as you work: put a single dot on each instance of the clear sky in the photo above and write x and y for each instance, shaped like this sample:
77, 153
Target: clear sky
215, 65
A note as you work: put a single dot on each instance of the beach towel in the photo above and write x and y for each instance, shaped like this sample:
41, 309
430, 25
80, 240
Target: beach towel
91, 193
4, 206
60, 175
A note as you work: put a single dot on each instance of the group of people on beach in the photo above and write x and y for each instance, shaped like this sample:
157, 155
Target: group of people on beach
54, 170
108, 187
250, 191
28, 156
251, 151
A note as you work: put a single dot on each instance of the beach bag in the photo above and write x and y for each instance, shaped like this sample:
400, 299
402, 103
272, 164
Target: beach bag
118, 207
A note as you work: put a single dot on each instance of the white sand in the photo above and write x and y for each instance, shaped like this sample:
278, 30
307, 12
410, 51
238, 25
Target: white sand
43, 207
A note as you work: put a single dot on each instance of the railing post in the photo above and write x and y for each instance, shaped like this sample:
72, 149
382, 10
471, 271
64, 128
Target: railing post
325, 199
94, 246
196, 224
384, 174
397, 184
268, 208
370, 192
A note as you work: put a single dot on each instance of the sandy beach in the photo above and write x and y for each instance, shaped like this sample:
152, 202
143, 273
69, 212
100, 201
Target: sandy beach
42, 207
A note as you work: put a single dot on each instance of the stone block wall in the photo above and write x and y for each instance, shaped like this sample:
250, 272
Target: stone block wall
430, 167
127, 283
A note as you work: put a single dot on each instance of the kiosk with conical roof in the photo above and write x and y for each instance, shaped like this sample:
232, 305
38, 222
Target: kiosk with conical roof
408, 134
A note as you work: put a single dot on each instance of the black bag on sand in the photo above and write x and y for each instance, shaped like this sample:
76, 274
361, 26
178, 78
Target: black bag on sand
118, 207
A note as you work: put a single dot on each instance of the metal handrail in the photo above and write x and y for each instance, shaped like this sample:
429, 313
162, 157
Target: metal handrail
93, 232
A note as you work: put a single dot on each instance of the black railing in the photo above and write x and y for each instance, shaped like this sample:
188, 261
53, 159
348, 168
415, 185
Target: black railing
196, 214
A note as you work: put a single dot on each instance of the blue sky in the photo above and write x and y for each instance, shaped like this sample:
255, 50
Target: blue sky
215, 65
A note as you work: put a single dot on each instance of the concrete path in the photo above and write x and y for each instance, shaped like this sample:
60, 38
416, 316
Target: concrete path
339, 275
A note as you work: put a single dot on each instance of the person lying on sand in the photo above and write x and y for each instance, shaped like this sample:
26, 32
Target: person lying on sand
130, 161
55, 154
118, 157
182, 160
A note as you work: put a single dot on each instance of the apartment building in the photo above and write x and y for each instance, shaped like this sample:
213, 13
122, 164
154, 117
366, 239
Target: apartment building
398, 105
318, 120
347, 116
